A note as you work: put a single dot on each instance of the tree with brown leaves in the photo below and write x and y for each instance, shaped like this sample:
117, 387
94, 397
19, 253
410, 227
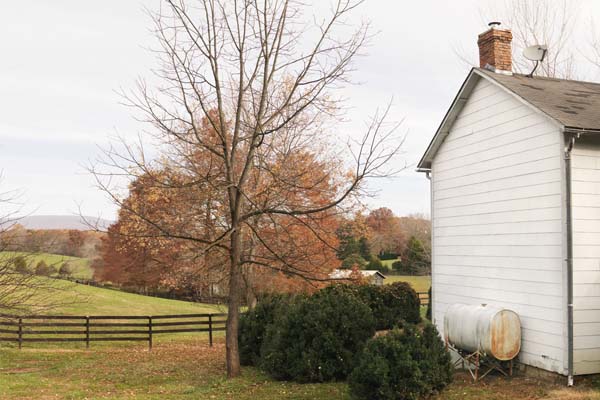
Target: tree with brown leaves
245, 119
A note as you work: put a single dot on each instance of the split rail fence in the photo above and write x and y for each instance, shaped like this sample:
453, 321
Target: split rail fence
423, 297
87, 329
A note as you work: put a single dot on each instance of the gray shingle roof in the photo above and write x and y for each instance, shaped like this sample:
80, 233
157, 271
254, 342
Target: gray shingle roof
574, 104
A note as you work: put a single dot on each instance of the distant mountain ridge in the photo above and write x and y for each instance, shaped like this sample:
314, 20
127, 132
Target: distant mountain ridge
62, 222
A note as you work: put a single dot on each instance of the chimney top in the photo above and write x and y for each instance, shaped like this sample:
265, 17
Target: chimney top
495, 49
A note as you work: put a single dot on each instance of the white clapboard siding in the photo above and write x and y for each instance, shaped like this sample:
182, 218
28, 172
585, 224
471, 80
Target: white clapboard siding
497, 197
586, 252
514, 128
498, 185
513, 217
524, 169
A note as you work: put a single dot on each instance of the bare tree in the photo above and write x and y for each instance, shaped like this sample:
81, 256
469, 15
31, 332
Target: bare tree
21, 291
532, 22
244, 119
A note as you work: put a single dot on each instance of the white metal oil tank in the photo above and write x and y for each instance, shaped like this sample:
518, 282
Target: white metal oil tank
494, 331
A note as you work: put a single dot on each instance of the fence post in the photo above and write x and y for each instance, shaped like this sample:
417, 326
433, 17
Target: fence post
20, 332
87, 332
210, 338
149, 333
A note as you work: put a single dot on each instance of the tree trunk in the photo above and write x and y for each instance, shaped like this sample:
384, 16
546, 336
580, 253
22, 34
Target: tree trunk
250, 298
233, 316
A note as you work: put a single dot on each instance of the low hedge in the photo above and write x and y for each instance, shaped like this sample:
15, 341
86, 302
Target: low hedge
405, 364
317, 338
391, 304
254, 323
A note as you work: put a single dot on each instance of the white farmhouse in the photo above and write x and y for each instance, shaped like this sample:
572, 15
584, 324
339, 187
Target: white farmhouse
515, 206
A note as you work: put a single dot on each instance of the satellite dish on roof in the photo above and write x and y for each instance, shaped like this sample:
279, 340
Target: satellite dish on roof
535, 53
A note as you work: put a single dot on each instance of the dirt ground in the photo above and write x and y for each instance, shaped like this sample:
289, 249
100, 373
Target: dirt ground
520, 387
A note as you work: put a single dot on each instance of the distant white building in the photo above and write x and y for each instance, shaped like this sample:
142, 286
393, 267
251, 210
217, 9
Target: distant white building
515, 206
374, 277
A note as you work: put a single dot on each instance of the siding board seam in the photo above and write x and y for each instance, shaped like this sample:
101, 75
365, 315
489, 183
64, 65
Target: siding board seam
456, 127
509, 188
506, 302
528, 161
495, 180
454, 144
501, 212
502, 201
493, 148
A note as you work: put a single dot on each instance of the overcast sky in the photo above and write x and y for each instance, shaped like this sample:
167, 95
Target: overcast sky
62, 62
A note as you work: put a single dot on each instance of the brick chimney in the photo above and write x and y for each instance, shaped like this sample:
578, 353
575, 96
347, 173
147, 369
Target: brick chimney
495, 50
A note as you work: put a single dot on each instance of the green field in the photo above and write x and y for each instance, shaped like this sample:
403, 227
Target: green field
388, 263
80, 267
77, 299
98, 301
419, 283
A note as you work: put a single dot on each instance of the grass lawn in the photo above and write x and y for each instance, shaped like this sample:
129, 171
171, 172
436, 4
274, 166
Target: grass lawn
77, 299
99, 301
183, 366
388, 263
419, 283
80, 266
188, 369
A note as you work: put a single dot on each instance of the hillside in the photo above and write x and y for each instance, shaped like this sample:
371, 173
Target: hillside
62, 222
80, 267
77, 299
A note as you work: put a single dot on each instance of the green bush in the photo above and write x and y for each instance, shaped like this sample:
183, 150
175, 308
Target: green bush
391, 305
376, 264
253, 325
317, 338
52, 270
428, 313
65, 270
388, 256
404, 365
42, 269
402, 302
354, 260
405, 267
20, 265
415, 258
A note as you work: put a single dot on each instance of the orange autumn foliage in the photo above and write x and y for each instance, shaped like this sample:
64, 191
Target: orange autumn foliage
281, 252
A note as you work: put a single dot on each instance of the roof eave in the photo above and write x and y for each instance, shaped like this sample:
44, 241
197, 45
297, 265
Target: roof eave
458, 103
580, 131
474, 76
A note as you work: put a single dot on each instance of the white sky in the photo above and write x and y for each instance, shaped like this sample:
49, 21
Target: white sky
62, 61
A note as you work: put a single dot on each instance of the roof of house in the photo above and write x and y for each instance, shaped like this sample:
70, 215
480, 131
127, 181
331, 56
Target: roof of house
573, 105
345, 273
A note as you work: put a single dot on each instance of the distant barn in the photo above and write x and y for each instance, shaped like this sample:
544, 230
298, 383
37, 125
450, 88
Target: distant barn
372, 276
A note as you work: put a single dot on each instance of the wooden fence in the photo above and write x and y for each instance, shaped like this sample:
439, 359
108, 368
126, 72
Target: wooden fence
67, 328
424, 297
